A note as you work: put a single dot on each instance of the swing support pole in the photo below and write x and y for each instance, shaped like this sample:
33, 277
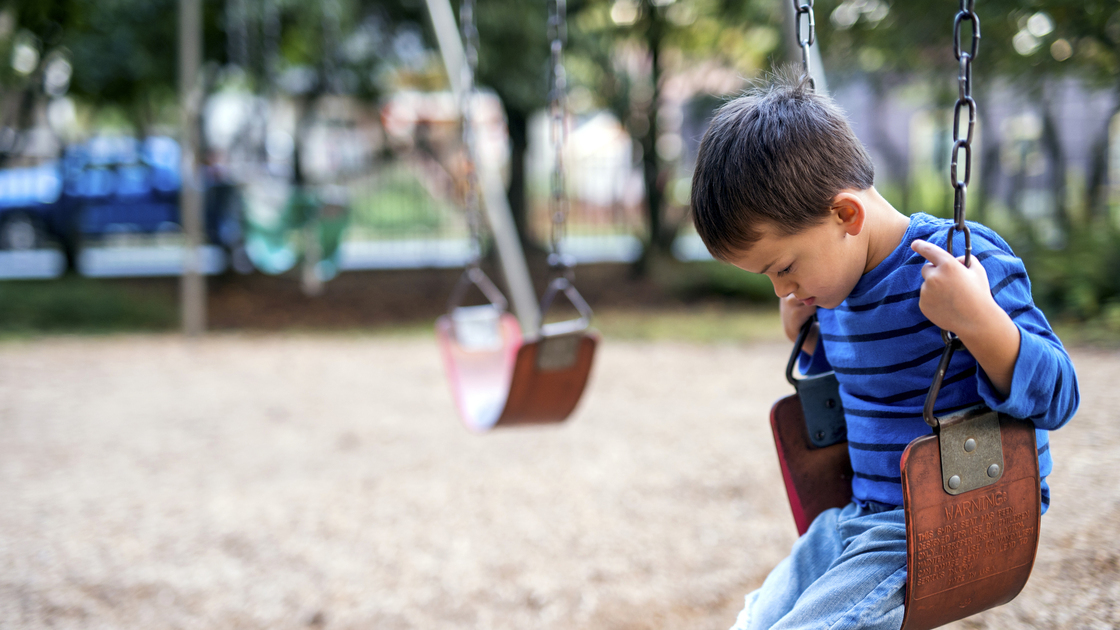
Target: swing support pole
494, 201
192, 286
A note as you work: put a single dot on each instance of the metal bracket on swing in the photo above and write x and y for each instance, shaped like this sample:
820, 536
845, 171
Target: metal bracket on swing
476, 327
970, 439
559, 341
820, 398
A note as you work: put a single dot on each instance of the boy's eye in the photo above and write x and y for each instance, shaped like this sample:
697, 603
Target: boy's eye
784, 271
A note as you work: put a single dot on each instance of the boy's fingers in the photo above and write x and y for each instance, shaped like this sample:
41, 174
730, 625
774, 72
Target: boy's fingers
934, 254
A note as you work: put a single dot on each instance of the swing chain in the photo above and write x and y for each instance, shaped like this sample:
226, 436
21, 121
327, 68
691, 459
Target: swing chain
967, 13
237, 33
469, 33
806, 36
558, 199
332, 29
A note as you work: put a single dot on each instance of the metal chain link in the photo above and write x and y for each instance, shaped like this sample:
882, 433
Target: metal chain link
805, 41
237, 33
558, 113
469, 33
967, 13
965, 58
332, 34
270, 50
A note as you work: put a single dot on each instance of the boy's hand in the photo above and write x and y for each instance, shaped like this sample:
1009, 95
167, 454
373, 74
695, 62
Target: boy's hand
953, 297
958, 298
794, 315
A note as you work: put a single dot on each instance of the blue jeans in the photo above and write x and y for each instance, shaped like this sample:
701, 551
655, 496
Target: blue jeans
847, 571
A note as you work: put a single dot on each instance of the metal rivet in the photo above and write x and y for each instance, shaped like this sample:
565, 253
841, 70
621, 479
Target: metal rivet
955, 482
993, 470
820, 435
830, 403
969, 445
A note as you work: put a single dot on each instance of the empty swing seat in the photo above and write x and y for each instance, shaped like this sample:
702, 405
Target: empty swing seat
497, 379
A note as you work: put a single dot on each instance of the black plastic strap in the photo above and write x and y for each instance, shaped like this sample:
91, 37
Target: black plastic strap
801, 337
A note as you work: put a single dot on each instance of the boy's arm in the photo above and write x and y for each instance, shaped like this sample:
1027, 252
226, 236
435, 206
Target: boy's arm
1029, 372
959, 299
794, 314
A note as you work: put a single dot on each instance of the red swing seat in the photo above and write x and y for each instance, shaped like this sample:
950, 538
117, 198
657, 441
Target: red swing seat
975, 550
967, 550
499, 380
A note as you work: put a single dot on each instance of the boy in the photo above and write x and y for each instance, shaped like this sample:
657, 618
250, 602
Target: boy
783, 188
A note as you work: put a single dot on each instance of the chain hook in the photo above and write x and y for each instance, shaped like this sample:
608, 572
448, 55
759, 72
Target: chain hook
967, 13
803, 14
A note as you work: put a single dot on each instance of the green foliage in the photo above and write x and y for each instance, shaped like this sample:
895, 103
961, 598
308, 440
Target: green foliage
73, 304
1080, 281
707, 323
122, 52
711, 279
514, 52
729, 281
915, 37
399, 205
1071, 255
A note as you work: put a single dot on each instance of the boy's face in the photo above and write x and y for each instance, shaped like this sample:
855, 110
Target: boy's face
819, 265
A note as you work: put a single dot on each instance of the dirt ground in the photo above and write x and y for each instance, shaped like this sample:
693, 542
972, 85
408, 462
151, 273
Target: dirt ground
279, 481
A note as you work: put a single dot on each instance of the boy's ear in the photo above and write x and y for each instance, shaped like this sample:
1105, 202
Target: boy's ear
850, 211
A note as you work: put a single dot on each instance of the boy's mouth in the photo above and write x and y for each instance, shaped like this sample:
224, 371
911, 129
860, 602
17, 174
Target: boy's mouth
809, 301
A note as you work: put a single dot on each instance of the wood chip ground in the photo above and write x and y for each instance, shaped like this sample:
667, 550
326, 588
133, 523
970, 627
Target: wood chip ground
323, 481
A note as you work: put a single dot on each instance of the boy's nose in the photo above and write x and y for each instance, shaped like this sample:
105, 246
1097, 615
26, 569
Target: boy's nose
783, 288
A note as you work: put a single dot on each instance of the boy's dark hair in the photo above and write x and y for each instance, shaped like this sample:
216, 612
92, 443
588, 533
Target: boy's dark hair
776, 155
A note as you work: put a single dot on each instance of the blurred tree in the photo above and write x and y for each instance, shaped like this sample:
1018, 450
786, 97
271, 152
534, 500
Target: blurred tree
116, 52
1035, 46
627, 49
513, 61
121, 52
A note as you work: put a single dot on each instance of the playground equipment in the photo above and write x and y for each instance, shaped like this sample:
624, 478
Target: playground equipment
289, 220
976, 461
507, 370
286, 224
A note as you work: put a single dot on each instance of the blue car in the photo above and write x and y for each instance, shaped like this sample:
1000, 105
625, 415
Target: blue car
108, 186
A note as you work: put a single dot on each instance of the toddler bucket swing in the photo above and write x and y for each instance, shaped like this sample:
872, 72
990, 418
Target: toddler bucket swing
287, 220
499, 376
970, 489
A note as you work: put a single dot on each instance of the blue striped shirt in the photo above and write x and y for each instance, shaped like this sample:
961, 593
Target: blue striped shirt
884, 352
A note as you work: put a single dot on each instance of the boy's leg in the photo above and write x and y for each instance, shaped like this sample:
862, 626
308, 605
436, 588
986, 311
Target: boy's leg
861, 586
810, 557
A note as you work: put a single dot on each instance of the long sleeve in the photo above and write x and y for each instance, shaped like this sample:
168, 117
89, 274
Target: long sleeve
1044, 384
816, 363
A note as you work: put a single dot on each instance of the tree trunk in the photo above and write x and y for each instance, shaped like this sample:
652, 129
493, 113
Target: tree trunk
518, 146
897, 165
651, 167
1098, 184
1052, 145
988, 164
